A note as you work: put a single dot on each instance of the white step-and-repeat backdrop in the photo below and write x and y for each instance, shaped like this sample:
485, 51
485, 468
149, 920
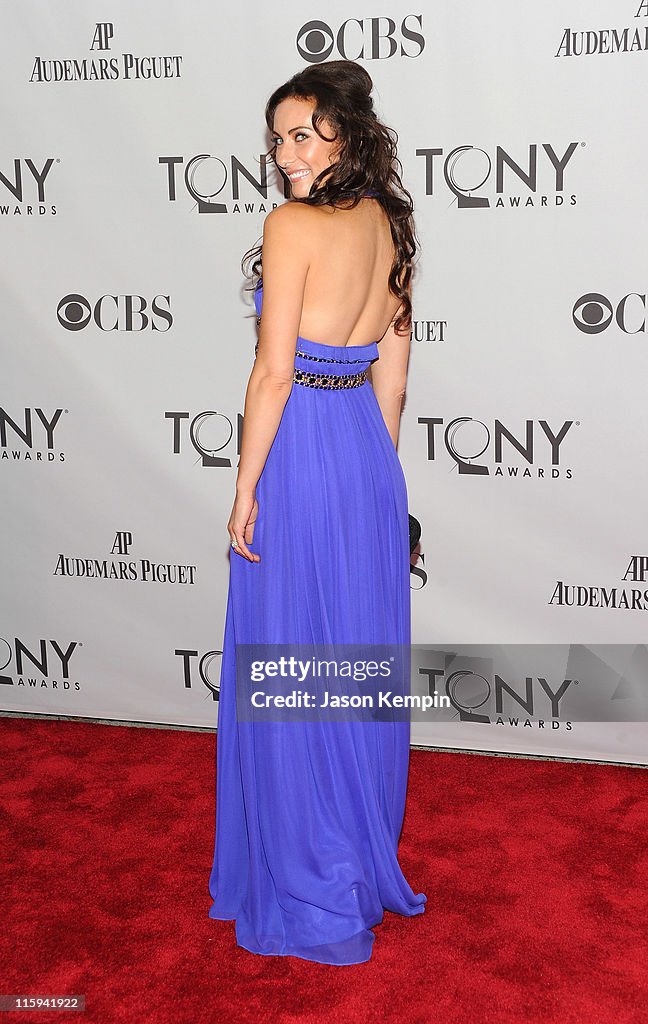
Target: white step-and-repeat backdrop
133, 178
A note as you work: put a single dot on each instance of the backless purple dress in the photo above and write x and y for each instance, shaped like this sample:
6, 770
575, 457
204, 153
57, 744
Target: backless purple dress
308, 814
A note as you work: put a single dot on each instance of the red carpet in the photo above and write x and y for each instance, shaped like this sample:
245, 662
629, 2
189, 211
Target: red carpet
536, 875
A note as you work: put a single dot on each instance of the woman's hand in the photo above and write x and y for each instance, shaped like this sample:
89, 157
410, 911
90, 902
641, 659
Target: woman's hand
241, 524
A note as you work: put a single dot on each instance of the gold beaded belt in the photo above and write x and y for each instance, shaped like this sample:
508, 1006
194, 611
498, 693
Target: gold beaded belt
330, 381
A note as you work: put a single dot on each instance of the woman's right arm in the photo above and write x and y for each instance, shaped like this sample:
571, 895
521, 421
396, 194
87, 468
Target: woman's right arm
286, 259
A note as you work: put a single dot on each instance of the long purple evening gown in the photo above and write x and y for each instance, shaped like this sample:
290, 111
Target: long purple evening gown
308, 814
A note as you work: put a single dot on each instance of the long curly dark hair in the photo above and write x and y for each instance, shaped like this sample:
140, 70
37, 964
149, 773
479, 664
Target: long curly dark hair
367, 161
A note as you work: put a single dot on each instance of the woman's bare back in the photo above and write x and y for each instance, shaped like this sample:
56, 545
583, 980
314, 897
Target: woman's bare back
346, 297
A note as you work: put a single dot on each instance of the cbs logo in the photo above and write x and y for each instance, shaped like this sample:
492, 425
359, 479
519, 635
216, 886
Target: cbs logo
361, 39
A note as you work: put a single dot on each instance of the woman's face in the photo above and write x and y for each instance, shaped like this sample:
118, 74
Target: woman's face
301, 153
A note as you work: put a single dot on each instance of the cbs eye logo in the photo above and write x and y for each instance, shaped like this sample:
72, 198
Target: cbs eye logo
356, 39
593, 313
130, 313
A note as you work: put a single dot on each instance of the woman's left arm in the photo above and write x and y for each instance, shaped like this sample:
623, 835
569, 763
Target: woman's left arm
286, 259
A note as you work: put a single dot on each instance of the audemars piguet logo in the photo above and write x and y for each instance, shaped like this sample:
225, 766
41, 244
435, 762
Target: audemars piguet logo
631, 595
102, 66
604, 41
119, 566
428, 332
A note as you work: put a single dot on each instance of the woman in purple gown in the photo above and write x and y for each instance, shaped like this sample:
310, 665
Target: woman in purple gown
309, 812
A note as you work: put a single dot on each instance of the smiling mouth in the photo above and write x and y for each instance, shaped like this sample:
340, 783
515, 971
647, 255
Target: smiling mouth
296, 175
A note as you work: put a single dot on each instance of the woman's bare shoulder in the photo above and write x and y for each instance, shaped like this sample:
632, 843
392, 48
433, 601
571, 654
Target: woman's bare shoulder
290, 214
